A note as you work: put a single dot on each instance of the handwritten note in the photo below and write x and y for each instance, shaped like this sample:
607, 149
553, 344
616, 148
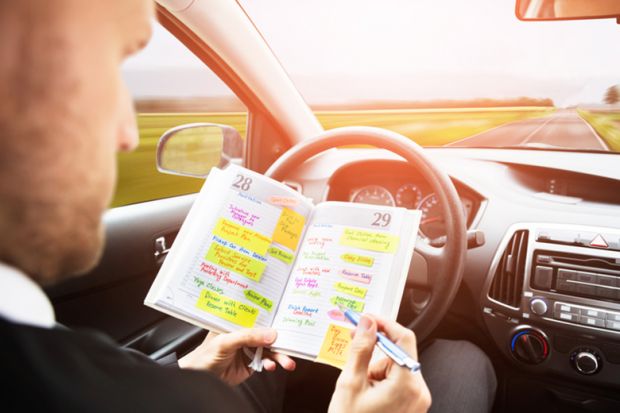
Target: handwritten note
289, 228
285, 201
235, 261
243, 237
285, 257
358, 276
315, 255
358, 259
348, 302
335, 347
369, 240
258, 299
231, 310
351, 289
243, 216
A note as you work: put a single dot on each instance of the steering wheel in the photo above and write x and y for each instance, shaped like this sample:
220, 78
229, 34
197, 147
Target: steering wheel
436, 269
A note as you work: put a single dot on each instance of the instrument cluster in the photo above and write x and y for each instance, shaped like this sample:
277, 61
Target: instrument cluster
411, 195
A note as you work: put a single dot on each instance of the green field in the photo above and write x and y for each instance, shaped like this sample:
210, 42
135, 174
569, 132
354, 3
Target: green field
140, 181
606, 124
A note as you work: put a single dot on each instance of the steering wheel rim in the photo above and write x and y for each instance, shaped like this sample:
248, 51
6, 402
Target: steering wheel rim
446, 263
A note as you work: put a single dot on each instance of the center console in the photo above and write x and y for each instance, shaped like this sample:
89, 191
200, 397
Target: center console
552, 300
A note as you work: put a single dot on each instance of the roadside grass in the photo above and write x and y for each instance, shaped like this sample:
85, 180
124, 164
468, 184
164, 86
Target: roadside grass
606, 124
140, 181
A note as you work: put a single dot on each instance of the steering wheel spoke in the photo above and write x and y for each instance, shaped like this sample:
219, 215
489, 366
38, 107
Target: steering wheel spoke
425, 266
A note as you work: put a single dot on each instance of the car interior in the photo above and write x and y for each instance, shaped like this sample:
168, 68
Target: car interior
518, 250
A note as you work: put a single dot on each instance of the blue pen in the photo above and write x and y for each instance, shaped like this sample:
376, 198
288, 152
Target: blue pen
391, 349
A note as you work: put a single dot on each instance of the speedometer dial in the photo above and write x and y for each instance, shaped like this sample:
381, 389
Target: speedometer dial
432, 224
408, 196
373, 194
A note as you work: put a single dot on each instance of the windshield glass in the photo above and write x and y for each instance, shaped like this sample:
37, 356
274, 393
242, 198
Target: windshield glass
451, 72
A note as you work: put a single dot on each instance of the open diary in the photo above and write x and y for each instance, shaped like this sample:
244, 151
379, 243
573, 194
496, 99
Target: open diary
254, 252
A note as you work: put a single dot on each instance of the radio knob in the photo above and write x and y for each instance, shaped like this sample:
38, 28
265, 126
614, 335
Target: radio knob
586, 362
538, 306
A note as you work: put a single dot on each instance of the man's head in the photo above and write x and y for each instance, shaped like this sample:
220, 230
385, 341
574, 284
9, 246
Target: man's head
64, 112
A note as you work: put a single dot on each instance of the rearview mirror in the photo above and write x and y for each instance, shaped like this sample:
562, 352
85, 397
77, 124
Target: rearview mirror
193, 149
567, 9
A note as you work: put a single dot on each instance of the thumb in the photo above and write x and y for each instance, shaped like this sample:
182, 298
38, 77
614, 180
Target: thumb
362, 345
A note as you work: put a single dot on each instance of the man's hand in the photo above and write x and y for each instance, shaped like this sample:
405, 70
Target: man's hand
222, 354
381, 386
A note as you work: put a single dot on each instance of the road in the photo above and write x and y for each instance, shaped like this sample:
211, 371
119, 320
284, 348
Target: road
563, 128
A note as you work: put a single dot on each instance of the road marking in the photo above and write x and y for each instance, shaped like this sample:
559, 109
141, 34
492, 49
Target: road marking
528, 137
598, 138
495, 127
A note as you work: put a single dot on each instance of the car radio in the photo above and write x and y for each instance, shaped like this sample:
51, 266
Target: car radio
553, 295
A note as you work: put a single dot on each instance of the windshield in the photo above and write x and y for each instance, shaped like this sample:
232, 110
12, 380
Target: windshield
451, 72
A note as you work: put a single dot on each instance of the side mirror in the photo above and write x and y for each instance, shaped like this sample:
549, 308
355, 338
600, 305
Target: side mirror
567, 9
193, 149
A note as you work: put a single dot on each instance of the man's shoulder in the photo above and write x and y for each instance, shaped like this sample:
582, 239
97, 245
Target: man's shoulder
67, 370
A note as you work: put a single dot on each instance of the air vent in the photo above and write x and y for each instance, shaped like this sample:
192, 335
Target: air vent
507, 286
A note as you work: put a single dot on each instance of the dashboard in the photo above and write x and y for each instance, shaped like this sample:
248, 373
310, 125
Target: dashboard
396, 183
544, 288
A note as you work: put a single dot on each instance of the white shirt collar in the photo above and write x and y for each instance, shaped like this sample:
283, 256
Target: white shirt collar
22, 300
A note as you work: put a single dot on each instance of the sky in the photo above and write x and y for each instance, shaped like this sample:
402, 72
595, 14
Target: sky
340, 51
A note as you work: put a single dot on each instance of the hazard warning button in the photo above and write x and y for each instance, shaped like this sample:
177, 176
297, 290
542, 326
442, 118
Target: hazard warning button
599, 242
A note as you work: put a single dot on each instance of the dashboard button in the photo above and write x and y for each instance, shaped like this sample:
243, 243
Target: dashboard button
612, 325
613, 316
599, 242
538, 306
543, 277
566, 308
592, 312
568, 317
543, 259
591, 321
564, 275
557, 236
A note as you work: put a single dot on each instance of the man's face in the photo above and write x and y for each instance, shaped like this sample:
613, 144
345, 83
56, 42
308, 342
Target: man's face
65, 114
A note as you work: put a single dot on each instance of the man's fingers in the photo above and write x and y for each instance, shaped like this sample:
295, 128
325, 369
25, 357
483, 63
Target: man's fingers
283, 360
402, 336
378, 369
255, 337
355, 372
269, 365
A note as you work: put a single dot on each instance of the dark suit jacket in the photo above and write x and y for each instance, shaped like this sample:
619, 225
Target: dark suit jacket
64, 371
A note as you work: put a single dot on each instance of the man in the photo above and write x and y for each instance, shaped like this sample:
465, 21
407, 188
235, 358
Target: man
64, 113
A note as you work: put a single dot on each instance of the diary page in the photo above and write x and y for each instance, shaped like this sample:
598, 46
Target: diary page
351, 255
230, 263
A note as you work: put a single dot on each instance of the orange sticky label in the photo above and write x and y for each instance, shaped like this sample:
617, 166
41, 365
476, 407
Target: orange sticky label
289, 228
335, 347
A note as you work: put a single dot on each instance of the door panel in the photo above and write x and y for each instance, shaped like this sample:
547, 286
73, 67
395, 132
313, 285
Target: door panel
110, 297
